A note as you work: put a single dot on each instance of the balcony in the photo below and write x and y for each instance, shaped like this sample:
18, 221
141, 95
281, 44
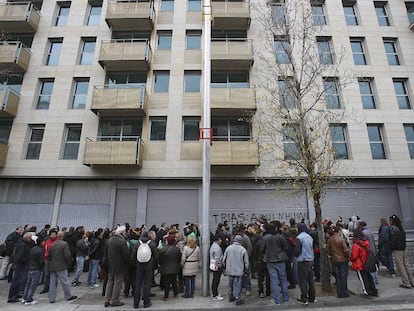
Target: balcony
14, 57
231, 54
232, 101
119, 100
113, 150
133, 15
18, 17
3, 152
231, 14
123, 55
9, 100
234, 153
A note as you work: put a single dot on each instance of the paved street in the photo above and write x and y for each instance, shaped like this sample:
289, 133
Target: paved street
391, 298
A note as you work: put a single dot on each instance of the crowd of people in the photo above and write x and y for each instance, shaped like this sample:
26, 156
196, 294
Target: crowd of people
280, 256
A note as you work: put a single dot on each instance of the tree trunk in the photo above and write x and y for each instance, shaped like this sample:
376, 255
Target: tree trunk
325, 269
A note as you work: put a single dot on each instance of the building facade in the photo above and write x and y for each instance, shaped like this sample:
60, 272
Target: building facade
102, 104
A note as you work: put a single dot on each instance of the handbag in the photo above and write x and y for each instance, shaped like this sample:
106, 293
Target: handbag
213, 265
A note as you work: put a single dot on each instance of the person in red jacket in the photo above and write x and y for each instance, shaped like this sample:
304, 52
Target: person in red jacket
46, 246
360, 249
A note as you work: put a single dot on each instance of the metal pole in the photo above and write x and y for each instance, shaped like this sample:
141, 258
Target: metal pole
206, 150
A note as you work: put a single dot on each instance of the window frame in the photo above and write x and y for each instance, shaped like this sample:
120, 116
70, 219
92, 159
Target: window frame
191, 34
75, 94
162, 121
41, 95
318, 17
67, 143
381, 142
371, 94
350, 19
405, 94
161, 88
335, 96
189, 76
83, 52
230, 83
410, 141
34, 146
120, 130
281, 47
286, 98
383, 17
190, 8
164, 40
230, 125
324, 46
393, 57
290, 147
166, 5
341, 142
62, 20
190, 136
94, 17
360, 53
53, 55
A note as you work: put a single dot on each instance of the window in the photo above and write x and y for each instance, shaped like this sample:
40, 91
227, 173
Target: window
367, 93
158, 128
167, 5
55, 45
382, 14
351, 18
228, 35
318, 14
80, 93
391, 51
232, 129
71, 142
376, 141
191, 127
94, 14
126, 80
409, 135
231, 79
403, 98
35, 141
331, 90
193, 39
410, 11
164, 40
192, 81
278, 13
357, 46
161, 81
339, 143
45, 93
324, 50
120, 129
62, 13
282, 50
286, 94
88, 51
194, 5
5, 129
290, 147
13, 81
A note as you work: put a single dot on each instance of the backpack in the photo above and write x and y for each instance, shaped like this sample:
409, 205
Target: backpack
144, 252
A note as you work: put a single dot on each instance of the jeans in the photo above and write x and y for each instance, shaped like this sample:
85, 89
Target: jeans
277, 273
246, 281
263, 278
62, 276
236, 283
93, 271
33, 277
189, 284
216, 282
306, 281
19, 277
340, 270
80, 261
46, 277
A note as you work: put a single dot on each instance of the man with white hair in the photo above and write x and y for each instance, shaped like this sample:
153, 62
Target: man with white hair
116, 255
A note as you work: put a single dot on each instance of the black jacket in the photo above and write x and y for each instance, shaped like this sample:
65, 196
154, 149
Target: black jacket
21, 253
11, 241
170, 260
36, 258
274, 248
397, 238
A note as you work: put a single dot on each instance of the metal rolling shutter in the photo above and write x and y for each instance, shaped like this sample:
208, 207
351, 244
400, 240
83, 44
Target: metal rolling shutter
126, 207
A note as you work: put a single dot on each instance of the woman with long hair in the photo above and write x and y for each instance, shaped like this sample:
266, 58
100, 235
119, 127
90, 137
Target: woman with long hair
190, 258
398, 245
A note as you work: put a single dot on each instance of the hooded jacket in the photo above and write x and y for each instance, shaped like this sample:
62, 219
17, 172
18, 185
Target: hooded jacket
359, 254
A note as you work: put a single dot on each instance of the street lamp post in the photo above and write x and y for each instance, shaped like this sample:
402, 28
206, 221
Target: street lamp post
206, 149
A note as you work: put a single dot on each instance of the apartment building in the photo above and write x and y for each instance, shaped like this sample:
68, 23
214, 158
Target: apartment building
102, 101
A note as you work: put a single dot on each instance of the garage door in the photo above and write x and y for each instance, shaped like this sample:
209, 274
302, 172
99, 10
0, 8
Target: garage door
126, 207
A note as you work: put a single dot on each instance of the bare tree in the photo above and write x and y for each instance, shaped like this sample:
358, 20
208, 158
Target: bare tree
298, 113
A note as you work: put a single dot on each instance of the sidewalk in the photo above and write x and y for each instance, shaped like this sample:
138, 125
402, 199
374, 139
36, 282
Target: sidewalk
392, 297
